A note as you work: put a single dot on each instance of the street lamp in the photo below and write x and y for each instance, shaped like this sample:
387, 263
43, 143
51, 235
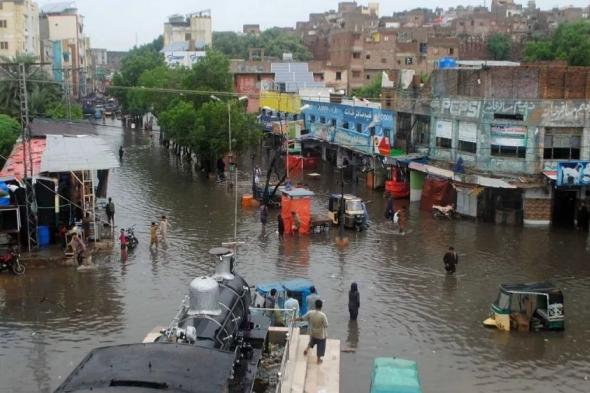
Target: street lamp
242, 98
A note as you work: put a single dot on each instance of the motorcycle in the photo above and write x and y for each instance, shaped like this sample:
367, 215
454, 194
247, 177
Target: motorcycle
447, 212
11, 261
132, 241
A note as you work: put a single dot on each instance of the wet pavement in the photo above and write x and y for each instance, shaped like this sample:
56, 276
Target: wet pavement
50, 318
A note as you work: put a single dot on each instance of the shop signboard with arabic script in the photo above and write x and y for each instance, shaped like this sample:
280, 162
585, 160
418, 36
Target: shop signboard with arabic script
353, 140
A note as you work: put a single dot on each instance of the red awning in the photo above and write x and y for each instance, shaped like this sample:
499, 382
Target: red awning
551, 175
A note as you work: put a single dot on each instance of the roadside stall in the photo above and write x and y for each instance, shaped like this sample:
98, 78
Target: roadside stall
296, 205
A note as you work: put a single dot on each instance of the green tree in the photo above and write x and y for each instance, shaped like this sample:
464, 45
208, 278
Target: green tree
179, 122
41, 90
499, 46
371, 90
274, 41
60, 111
10, 130
570, 42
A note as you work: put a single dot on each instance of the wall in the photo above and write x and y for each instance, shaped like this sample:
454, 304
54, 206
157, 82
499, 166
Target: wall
282, 102
249, 84
22, 37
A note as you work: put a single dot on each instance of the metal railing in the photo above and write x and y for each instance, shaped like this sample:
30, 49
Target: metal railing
288, 317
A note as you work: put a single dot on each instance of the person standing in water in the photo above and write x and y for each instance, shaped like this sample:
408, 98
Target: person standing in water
354, 301
121, 153
281, 225
124, 243
451, 260
154, 235
263, 217
164, 226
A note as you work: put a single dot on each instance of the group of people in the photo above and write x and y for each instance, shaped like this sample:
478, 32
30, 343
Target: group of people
159, 232
295, 222
315, 317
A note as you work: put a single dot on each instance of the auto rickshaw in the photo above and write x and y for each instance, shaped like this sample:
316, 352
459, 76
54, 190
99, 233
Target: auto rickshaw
525, 307
354, 212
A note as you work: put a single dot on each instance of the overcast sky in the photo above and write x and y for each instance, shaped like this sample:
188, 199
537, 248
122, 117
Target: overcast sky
117, 24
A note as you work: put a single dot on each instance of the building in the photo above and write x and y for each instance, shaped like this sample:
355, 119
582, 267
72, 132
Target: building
100, 61
193, 29
19, 28
250, 78
62, 33
251, 29
509, 138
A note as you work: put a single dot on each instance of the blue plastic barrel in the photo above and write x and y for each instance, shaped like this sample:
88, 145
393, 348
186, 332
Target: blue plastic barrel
447, 63
43, 236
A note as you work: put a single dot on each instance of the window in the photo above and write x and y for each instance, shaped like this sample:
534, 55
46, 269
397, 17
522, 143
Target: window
509, 151
368, 77
345, 125
323, 120
469, 147
445, 143
451, 51
356, 74
3, 45
333, 122
562, 144
338, 75
383, 60
356, 55
409, 60
359, 127
368, 56
187, 36
312, 118
3, 23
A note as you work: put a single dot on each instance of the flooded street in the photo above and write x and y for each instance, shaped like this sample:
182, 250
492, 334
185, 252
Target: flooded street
51, 318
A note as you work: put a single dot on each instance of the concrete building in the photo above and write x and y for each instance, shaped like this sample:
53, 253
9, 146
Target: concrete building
517, 133
251, 29
193, 29
100, 62
178, 54
62, 30
19, 28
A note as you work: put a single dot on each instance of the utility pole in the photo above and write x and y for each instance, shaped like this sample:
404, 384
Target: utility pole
28, 173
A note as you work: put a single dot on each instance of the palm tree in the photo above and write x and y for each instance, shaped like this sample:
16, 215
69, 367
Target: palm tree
42, 91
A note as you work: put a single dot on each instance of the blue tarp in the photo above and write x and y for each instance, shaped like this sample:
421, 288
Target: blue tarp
393, 375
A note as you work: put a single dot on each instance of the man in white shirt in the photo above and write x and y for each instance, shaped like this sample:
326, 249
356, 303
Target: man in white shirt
291, 304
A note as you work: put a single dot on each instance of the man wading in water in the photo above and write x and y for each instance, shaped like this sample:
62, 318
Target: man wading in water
451, 260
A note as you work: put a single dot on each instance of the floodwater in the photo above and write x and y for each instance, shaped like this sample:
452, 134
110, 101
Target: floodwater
50, 318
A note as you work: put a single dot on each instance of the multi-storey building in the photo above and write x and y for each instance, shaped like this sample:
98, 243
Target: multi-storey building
193, 29
62, 34
19, 28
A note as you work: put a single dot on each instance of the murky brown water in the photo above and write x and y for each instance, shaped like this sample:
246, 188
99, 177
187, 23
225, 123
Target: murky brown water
408, 307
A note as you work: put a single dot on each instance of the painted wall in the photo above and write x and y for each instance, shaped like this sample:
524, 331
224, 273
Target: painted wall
282, 102
349, 126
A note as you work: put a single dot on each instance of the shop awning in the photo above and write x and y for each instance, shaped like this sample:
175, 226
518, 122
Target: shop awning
551, 175
77, 153
479, 180
405, 159
58, 153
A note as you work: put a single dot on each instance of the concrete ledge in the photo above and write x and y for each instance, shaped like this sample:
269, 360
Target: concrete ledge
537, 223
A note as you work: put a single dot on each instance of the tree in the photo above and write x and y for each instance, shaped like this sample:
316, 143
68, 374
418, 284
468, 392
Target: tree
371, 90
41, 89
499, 46
60, 111
10, 130
274, 41
570, 42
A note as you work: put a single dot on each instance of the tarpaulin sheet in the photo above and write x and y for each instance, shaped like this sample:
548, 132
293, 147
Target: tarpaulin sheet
437, 191
302, 206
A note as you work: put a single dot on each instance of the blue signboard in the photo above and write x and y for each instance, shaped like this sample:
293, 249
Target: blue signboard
573, 174
347, 125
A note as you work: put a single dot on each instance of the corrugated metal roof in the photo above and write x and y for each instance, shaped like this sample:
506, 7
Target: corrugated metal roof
77, 153
462, 178
14, 166
297, 192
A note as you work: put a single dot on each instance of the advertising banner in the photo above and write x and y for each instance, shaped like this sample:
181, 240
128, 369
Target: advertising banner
508, 135
573, 173
444, 129
353, 140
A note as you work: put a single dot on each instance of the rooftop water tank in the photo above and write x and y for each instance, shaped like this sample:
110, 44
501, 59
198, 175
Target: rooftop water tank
204, 296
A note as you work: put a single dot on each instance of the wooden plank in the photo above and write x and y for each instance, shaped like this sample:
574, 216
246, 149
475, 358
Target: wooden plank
299, 376
287, 378
325, 377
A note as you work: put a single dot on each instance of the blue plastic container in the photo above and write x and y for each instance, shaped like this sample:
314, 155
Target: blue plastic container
43, 236
445, 63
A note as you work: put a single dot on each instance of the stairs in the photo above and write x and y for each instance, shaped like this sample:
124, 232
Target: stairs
304, 375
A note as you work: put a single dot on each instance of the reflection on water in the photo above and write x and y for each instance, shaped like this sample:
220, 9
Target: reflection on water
52, 317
